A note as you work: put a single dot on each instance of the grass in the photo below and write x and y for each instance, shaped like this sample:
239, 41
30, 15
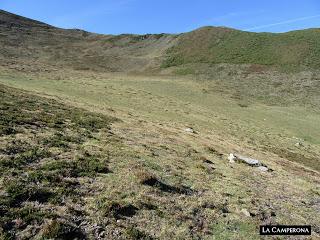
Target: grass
288, 51
60, 230
186, 104
234, 230
131, 176
83, 166
33, 168
95, 154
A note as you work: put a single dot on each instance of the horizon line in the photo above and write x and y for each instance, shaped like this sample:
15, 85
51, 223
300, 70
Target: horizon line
176, 33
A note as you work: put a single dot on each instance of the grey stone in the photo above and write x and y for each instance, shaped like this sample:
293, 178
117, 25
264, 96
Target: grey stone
263, 169
249, 161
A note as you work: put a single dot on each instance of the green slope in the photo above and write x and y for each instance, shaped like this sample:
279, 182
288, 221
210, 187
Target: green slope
223, 45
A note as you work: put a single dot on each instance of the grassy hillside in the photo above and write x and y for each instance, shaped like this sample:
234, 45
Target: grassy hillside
29, 45
67, 172
233, 62
223, 45
30, 42
42, 159
93, 139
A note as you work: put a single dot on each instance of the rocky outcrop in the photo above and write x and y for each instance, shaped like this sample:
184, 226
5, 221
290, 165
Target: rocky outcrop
249, 161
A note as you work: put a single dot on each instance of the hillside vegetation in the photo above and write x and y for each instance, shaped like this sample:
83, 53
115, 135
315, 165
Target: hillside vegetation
27, 40
67, 173
128, 137
273, 69
222, 45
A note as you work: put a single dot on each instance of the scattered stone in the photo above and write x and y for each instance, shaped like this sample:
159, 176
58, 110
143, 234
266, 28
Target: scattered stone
232, 158
263, 169
245, 212
299, 144
249, 161
189, 130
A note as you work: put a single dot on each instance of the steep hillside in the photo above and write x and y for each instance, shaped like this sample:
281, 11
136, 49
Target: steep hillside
273, 69
29, 42
36, 43
222, 45
16, 21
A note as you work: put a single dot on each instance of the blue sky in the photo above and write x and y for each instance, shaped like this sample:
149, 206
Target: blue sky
170, 16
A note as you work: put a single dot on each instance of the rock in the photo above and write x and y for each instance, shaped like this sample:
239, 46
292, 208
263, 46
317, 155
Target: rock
232, 158
298, 144
189, 130
263, 169
249, 161
245, 212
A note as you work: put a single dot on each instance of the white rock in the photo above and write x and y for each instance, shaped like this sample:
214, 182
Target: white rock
263, 169
189, 130
232, 158
249, 161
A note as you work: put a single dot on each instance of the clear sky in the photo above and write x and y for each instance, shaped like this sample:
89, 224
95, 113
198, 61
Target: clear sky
170, 16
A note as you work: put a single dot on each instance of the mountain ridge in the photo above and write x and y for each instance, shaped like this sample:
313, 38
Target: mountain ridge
79, 49
7, 17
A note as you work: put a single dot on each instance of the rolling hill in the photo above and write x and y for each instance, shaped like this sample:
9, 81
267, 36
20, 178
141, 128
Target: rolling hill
222, 45
31, 42
128, 136
34, 41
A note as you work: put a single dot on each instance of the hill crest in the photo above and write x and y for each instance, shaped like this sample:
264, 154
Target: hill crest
24, 39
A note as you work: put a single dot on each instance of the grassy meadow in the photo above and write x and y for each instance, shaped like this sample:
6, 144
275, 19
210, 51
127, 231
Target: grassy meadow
182, 102
107, 156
